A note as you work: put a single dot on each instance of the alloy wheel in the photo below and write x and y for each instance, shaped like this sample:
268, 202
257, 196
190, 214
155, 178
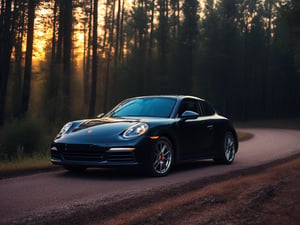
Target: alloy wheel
163, 157
229, 147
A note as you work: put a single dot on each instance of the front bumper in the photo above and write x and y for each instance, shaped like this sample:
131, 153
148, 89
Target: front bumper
93, 155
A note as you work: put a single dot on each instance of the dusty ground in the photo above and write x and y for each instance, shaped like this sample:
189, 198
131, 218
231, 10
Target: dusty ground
266, 195
271, 195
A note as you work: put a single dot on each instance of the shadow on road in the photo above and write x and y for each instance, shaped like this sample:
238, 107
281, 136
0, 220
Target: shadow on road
131, 173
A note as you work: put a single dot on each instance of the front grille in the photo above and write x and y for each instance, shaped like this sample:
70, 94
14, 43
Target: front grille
82, 152
86, 152
120, 156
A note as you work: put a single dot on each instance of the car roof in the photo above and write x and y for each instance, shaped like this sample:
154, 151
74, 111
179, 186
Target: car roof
179, 97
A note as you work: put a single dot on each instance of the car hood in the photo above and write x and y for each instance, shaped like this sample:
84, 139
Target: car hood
96, 130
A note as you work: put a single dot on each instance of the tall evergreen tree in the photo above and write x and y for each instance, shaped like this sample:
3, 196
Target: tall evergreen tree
28, 58
94, 61
6, 45
66, 10
228, 60
188, 42
163, 26
285, 58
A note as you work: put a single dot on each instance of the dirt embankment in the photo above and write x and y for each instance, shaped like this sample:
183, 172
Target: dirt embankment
266, 195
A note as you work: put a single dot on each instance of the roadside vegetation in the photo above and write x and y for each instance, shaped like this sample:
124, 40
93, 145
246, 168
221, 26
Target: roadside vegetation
290, 123
24, 144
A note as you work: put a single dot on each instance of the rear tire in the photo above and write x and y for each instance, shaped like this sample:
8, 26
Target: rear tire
227, 149
162, 158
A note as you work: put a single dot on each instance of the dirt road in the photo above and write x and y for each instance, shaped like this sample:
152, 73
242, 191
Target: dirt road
196, 193
266, 195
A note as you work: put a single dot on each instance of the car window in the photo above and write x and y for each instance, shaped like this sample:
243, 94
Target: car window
145, 107
207, 109
190, 105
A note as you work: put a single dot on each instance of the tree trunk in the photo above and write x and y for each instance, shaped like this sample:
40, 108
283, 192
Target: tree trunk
117, 32
28, 59
59, 46
19, 15
6, 37
52, 86
151, 29
87, 65
67, 48
54, 30
94, 61
267, 89
106, 26
121, 53
111, 38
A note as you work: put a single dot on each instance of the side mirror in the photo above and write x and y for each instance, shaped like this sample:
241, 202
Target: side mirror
100, 115
189, 115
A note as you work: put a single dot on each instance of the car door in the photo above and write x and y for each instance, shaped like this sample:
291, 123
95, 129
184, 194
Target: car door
194, 134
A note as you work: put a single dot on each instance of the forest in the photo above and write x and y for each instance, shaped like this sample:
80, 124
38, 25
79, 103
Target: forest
69, 59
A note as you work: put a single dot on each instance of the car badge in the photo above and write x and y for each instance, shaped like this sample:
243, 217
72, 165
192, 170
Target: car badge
90, 131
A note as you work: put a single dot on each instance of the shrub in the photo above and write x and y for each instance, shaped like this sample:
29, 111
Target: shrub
20, 137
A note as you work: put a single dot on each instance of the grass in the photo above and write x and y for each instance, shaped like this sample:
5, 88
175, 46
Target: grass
244, 136
25, 163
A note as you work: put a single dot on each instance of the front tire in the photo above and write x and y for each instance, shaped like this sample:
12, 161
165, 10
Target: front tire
227, 149
162, 158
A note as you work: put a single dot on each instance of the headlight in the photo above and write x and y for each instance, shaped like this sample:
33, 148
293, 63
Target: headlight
136, 130
64, 130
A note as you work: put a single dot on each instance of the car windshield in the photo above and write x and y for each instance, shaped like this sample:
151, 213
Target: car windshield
144, 107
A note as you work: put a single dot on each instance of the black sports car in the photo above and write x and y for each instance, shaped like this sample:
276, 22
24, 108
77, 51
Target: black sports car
152, 132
